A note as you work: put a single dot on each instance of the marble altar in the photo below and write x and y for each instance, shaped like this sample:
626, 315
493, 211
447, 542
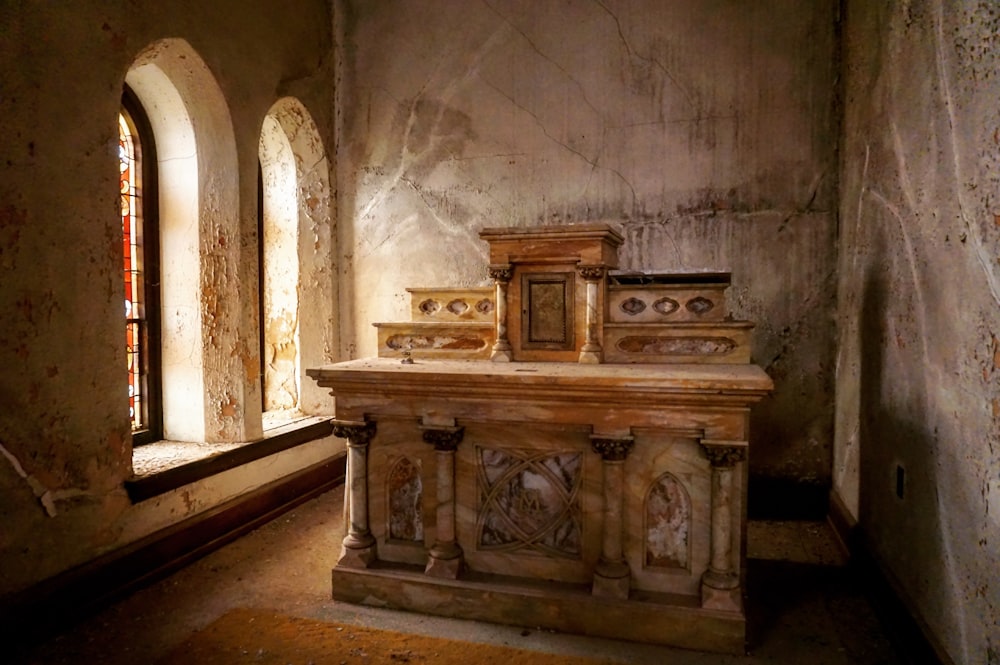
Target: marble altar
537, 471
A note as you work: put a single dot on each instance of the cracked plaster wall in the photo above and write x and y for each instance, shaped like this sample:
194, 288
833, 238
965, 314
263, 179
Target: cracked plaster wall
64, 446
918, 365
706, 131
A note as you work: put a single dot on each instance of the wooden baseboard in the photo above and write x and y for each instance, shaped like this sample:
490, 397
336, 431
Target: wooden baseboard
842, 522
908, 633
51, 605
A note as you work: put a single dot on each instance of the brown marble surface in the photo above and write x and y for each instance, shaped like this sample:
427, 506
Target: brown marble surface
748, 380
534, 501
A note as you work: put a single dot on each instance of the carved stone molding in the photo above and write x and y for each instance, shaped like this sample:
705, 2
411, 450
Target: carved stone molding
357, 433
445, 439
500, 272
699, 305
675, 346
666, 306
724, 455
612, 449
591, 273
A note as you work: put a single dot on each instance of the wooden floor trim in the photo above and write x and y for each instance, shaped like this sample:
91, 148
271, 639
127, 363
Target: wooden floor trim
59, 601
909, 634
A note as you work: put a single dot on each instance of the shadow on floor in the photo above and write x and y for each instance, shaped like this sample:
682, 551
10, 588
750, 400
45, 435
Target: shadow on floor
805, 606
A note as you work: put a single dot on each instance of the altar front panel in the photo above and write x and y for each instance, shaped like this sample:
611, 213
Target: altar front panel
529, 501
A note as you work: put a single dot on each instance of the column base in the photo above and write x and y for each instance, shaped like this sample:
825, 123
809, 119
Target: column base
591, 357
446, 561
721, 591
612, 580
357, 557
501, 355
444, 568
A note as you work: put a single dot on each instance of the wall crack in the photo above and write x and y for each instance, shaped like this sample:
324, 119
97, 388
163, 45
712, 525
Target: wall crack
46, 497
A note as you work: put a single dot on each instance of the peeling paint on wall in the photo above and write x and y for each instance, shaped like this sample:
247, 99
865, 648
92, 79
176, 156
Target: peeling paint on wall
64, 423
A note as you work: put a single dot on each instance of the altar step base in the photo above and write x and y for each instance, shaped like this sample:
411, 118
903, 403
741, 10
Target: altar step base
668, 620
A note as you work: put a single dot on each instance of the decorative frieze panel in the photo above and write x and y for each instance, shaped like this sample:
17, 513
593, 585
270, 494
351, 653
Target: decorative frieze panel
676, 346
668, 524
443, 342
528, 501
452, 305
667, 298
435, 339
722, 342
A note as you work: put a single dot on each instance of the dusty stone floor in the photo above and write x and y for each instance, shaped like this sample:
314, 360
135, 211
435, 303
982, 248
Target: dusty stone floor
805, 605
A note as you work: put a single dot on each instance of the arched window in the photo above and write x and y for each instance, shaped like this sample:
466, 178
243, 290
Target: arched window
140, 243
296, 280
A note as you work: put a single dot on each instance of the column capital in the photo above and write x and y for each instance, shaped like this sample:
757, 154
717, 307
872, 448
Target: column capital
591, 272
724, 453
612, 449
501, 272
357, 432
445, 439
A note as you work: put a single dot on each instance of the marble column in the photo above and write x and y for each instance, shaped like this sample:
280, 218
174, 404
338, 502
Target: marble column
501, 273
720, 585
612, 577
359, 544
446, 557
591, 351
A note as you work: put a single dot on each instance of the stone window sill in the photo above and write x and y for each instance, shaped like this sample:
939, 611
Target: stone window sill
162, 466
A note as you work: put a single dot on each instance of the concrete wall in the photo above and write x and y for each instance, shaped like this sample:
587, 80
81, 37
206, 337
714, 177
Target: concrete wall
706, 131
918, 370
64, 442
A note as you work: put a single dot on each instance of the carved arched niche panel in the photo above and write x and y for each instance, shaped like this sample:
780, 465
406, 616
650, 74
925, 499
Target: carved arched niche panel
668, 524
405, 490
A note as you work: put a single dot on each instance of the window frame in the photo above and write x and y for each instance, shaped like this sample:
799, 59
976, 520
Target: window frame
150, 350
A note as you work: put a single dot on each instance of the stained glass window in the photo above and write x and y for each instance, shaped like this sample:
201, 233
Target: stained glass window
131, 209
140, 264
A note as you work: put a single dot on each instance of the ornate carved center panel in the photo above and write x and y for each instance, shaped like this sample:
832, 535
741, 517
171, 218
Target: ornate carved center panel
528, 500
